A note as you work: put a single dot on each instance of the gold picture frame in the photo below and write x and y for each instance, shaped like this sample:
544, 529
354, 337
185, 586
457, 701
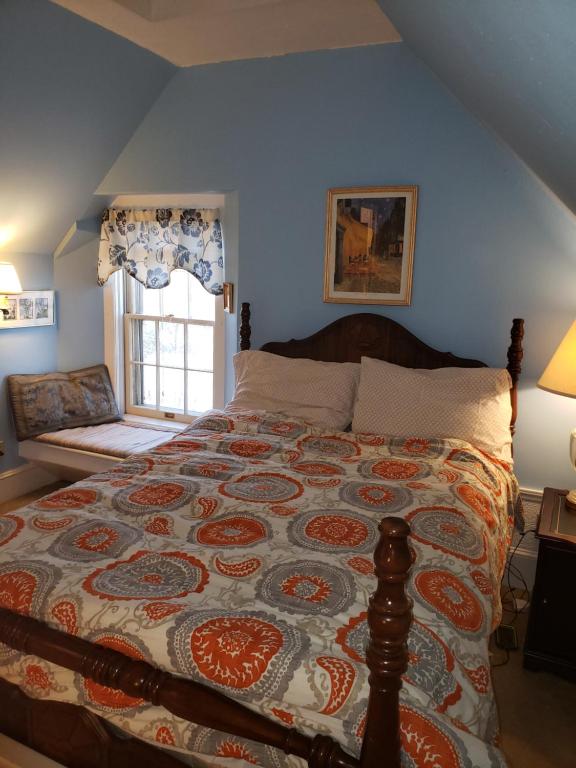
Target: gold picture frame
370, 237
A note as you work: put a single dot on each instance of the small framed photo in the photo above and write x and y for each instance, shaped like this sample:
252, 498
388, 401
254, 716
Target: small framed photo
12, 303
370, 235
28, 309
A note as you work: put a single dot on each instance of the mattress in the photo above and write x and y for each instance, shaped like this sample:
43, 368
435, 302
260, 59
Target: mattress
239, 554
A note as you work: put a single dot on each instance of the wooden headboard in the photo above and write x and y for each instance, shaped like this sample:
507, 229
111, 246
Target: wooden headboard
364, 334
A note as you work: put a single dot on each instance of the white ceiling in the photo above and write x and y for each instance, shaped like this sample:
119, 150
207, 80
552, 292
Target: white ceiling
189, 32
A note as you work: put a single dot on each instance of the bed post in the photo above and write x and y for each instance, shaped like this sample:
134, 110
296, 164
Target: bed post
389, 618
515, 354
245, 329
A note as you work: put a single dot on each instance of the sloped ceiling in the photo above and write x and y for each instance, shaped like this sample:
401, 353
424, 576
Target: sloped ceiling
513, 64
71, 96
190, 32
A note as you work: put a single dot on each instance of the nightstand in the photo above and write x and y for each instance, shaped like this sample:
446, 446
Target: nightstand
551, 636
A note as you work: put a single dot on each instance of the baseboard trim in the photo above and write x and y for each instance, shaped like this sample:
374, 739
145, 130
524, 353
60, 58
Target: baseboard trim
23, 479
525, 560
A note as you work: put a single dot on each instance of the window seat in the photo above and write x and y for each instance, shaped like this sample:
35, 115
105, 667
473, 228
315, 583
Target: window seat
82, 451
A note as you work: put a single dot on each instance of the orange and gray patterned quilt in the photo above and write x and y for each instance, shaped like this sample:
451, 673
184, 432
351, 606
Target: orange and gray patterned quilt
239, 554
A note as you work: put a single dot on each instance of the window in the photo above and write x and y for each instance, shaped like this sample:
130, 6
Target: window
173, 341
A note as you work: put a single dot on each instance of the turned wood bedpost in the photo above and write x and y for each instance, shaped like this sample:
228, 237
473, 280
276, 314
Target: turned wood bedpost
389, 619
515, 354
245, 329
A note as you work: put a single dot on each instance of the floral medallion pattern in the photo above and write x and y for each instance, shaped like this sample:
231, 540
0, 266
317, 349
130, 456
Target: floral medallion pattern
10, 527
307, 587
150, 576
330, 530
91, 541
377, 497
240, 530
25, 585
451, 598
263, 487
234, 749
150, 244
446, 529
251, 653
218, 469
143, 497
240, 554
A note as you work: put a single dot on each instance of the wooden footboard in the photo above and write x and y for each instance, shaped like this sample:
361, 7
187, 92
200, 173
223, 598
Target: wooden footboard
389, 618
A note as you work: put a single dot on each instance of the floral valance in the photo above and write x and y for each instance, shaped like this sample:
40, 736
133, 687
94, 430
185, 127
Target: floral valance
149, 244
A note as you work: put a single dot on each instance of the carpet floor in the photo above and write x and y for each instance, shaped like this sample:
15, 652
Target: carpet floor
537, 711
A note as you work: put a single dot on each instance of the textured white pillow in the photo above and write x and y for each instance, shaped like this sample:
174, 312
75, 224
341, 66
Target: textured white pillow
322, 393
471, 404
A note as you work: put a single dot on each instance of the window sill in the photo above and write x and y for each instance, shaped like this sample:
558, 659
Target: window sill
137, 419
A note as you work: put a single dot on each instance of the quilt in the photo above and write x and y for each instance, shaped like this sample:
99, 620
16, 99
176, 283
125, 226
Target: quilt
239, 554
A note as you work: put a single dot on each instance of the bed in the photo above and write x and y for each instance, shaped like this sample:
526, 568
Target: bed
162, 602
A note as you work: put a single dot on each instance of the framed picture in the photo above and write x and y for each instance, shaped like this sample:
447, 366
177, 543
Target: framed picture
28, 309
370, 235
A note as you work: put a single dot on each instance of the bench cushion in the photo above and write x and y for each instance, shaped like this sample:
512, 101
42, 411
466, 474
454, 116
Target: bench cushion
50, 401
121, 439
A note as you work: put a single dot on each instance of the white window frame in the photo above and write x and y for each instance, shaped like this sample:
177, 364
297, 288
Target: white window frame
117, 343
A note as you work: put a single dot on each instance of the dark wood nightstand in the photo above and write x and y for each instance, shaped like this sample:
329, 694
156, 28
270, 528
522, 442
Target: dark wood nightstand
551, 636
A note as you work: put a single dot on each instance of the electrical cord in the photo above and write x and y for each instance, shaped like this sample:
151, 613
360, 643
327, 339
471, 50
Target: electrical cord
509, 598
513, 571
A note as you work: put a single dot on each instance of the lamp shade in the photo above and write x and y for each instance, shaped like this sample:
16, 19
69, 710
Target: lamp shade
9, 282
560, 374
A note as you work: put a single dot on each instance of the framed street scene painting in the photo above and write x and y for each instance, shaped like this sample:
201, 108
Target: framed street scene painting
370, 245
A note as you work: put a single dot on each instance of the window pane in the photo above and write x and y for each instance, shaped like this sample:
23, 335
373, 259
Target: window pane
171, 389
200, 393
172, 344
201, 302
200, 347
144, 341
175, 295
149, 301
144, 385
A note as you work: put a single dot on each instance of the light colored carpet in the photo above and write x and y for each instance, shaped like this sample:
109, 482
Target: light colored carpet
537, 712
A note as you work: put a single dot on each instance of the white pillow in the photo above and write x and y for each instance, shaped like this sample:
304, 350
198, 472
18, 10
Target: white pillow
471, 404
322, 393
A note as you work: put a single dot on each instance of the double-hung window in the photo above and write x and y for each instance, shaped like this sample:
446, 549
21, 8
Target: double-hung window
173, 341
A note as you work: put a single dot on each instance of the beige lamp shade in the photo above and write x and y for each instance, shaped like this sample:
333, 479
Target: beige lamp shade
560, 373
9, 282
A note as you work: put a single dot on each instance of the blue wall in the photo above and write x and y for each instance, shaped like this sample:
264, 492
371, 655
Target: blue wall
81, 327
71, 95
24, 350
492, 243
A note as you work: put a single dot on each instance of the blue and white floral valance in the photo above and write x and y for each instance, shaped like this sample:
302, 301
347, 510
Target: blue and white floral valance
149, 244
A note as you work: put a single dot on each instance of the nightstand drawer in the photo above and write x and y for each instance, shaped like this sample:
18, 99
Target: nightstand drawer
552, 629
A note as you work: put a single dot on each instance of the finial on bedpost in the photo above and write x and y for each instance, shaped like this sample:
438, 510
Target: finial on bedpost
245, 329
515, 354
389, 619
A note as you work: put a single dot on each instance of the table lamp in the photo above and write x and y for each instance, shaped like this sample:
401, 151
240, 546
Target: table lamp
9, 286
560, 377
